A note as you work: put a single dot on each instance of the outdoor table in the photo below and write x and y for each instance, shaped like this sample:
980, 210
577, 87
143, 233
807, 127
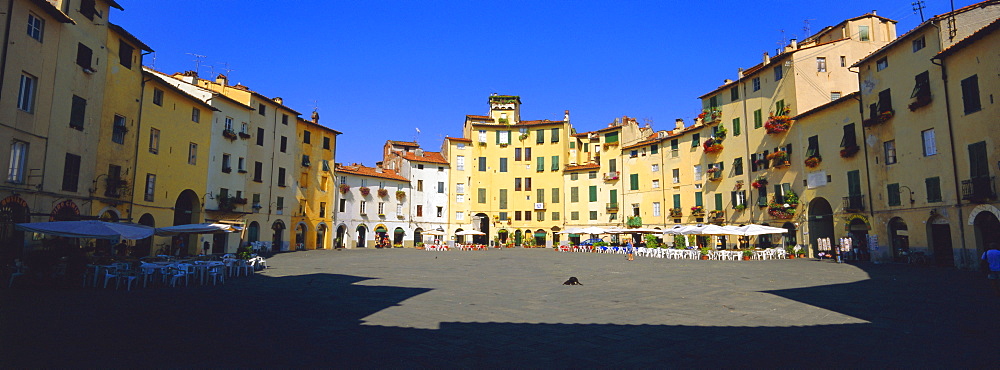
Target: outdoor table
97, 271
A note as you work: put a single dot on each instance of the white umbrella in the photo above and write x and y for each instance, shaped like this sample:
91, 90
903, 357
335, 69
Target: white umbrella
470, 232
90, 229
204, 228
593, 230
433, 232
754, 229
572, 230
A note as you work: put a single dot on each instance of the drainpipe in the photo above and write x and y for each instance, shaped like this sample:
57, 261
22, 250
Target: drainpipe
954, 160
138, 132
6, 45
864, 145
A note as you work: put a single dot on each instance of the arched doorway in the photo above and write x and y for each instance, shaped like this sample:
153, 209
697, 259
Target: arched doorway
502, 236
362, 230
764, 241
65, 211
144, 247
899, 237
484, 227
857, 229
418, 236
987, 230
300, 237
278, 238
540, 236
460, 239
789, 238
939, 235
555, 235
187, 210
381, 236
321, 236
341, 233
13, 210
820, 222
397, 236
517, 237
253, 232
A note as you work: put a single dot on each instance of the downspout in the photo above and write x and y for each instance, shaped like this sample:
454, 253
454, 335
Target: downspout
868, 177
6, 45
138, 132
746, 139
954, 160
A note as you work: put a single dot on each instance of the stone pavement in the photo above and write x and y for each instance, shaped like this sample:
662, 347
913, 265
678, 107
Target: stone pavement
508, 308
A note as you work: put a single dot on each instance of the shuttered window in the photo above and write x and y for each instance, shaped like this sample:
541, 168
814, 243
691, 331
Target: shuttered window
893, 196
633, 181
593, 193
933, 186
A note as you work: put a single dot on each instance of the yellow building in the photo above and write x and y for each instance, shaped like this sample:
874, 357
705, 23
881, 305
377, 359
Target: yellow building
176, 134
314, 219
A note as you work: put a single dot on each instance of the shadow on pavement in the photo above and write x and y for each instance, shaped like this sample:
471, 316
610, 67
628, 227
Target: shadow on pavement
926, 318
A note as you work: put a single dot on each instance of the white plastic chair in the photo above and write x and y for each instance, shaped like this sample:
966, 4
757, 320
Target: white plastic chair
217, 273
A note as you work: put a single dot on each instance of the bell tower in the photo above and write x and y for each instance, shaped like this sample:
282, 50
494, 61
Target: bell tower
505, 109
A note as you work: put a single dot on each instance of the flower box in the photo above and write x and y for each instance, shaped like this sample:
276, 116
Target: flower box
697, 211
710, 116
922, 100
712, 146
365, 190
344, 188
880, 118
382, 193
779, 122
813, 162
229, 134
244, 135
676, 212
850, 151
400, 194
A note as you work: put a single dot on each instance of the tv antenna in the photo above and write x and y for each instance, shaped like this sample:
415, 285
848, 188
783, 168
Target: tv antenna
225, 67
806, 27
197, 61
918, 6
153, 64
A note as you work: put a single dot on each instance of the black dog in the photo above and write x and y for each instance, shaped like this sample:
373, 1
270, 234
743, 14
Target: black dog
572, 281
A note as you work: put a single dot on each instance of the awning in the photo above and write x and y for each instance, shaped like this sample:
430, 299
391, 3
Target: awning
90, 229
197, 229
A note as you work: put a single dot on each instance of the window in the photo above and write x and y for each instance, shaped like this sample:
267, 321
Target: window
459, 215
125, 54
574, 194
718, 201
820, 64
84, 56
18, 159
656, 184
258, 171
503, 199
695, 140
196, 116
592, 175
813, 148
540, 195
540, 137
849, 139
736, 126
863, 33
930, 148
893, 194
698, 199
88, 8
843, 61
918, 43
890, 151
697, 172
574, 176
71, 172
676, 175
677, 201
364, 206
555, 135
284, 144
459, 198
835, 95
739, 198
154, 140
884, 102
970, 94
326, 143
482, 164
527, 183
503, 216
517, 154
460, 163
674, 145
574, 215
26, 94
503, 164
633, 153
343, 205
633, 181
192, 153
261, 109
593, 193
118, 130
482, 136
157, 96
737, 166
555, 195
881, 64
420, 185
36, 26
260, 136
654, 149
540, 164
758, 119
611, 137
503, 137
306, 137
656, 209
440, 187
481, 195
284, 119
593, 215
420, 166
78, 113
148, 195
281, 176
654, 168
755, 83
777, 73
555, 162
933, 185
227, 163
555, 216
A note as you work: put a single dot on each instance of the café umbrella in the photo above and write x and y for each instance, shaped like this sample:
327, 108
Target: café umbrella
89, 229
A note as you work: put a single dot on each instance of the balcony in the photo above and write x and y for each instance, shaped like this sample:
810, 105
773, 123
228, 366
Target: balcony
115, 187
854, 203
979, 189
612, 207
612, 176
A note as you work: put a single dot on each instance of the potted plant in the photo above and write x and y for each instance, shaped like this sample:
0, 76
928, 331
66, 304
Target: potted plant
634, 222
382, 193
400, 194
790, 252
747, 253
697, 210
778, 122
420, 245
712, 146
798, 250
740, 207
344, 188
704, 251
720, 133
813, 161
229, 134
676, 212
779, 158
523, 136
365, 190
849, 151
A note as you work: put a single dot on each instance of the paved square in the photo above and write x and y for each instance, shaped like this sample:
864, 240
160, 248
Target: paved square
508, 308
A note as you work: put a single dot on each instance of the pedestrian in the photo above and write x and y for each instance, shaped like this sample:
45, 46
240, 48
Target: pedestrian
992, 257
628, 249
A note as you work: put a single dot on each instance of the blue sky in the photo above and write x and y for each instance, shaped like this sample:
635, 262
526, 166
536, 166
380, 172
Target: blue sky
378, 70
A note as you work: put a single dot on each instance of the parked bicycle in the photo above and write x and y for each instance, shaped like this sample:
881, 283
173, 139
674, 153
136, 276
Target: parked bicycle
913, 257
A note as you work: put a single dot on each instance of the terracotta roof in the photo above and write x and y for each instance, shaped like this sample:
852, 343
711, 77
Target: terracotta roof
430, 157
462, 139
870, 15
53, 11
652, 140
975, 36
470, 116
404, 143
130, 37
582, 167
827, 105
539, 122
361, 170
319, 126
162, 77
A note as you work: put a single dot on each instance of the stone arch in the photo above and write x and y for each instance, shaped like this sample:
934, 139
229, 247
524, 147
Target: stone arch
301, 236
338, 241
361, 230
278, 235
980, 209
65, 211
110, 214
321, 231
939, 240
253, 231
13, 210
397, 236
144, 247
899, 236
418, 235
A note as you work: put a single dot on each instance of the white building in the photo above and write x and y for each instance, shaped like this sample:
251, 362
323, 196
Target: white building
428, 176
371, 204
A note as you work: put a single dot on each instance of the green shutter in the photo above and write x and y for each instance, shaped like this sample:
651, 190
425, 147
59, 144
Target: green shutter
482, 195
503, 198
695, 140
677, 201
539, 163
555, 195
854, 183
933, 189
593, 193
978, 163
482, 164
613, 196
611, 137
503, 164
633, 181
654, 149
555, 135
498, 137
572, 145
574, 194
718, 201
738, 166
540, 136
758, 120
698, 201
555, 163
736, 126
893, 190
540, 195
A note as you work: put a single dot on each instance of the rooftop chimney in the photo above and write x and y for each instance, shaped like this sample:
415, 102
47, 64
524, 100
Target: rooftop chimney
739, 73
277, 99
566, 116
419, 152
767, 58
794, 44
873, 12
727, 81
315, 117
680, 123
221, 79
